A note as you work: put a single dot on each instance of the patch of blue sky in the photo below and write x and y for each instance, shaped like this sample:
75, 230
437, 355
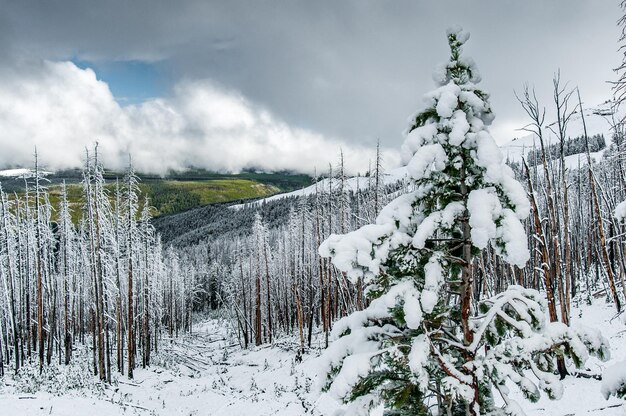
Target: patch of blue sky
131, 82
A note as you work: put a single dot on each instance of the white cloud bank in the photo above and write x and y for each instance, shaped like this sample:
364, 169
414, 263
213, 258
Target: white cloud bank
61, 109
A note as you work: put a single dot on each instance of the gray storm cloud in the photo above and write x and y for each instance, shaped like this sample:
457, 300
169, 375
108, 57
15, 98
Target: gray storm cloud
61, 109
351, 69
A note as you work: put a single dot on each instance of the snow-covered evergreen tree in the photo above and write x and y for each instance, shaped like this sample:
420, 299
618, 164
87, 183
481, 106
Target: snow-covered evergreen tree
424, 345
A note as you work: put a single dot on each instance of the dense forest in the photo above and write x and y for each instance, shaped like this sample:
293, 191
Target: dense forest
277, 241
265, 270
104, 280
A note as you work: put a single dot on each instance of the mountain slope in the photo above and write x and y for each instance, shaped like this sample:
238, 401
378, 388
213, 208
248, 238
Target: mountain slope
597, 119
177, 192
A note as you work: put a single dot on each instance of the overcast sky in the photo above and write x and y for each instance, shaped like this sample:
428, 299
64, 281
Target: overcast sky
274, 84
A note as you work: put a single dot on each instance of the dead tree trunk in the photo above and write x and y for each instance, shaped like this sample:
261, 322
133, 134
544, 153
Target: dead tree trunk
596, 206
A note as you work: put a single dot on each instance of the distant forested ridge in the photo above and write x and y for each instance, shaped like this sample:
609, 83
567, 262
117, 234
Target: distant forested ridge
572, 146
175, 191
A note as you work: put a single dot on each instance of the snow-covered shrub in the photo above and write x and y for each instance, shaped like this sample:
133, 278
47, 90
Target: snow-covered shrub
420, 347
165, 360
59, 379
614, 380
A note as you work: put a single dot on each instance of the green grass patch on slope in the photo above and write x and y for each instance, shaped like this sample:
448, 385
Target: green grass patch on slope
169, 196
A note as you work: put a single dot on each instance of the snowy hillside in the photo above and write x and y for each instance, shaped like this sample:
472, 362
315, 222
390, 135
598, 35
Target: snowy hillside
19, 172
351, 184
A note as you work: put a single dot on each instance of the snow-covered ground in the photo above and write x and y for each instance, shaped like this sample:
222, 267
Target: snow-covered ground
582, 396
20, 172
207, 373
12, 173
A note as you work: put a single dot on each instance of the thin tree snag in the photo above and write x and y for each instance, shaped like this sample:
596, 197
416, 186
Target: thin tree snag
599, 221
545, 257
